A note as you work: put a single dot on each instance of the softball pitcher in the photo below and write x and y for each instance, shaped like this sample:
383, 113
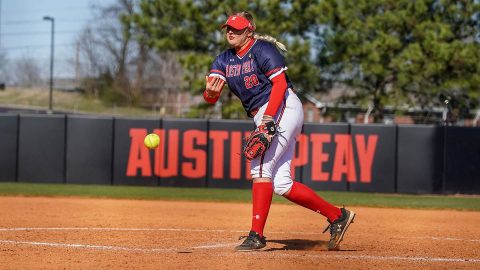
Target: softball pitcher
254, 70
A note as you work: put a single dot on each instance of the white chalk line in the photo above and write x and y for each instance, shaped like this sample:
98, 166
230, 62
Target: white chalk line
220, 231
262, 254
442, 238
382, 258
114, 248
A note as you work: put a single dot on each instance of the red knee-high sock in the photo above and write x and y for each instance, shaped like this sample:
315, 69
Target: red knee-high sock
262, 198
306, 197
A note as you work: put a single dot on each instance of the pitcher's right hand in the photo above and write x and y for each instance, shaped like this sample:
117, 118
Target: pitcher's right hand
214, 86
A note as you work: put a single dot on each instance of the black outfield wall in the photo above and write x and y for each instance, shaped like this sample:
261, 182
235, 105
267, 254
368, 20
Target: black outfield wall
420, 159
8, 147
227, 167
41, 148
462, 159
132, 162
207, 153
181, 159
89, 154
325, 146
374, 156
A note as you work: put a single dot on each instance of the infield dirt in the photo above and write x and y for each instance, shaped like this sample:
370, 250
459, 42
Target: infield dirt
82, 233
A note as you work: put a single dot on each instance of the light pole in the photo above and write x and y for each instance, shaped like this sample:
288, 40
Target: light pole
47, 18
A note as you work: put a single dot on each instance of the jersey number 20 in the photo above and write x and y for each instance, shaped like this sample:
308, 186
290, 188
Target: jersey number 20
251, 81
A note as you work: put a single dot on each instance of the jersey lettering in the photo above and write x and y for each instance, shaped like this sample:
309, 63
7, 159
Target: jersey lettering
233, 70
244, 68
247, 67
248, 77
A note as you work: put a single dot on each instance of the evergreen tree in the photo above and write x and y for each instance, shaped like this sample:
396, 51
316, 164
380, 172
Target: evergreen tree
193, 27
400, 51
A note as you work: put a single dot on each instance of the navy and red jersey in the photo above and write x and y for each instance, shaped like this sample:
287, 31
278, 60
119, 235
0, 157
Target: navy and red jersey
249, 73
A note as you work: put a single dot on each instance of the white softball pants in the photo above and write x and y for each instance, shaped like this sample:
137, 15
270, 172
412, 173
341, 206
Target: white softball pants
275, 163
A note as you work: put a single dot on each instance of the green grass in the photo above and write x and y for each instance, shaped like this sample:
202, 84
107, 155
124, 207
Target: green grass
471, 203
38, 98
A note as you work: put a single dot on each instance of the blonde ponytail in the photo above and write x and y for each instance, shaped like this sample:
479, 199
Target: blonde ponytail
273, 40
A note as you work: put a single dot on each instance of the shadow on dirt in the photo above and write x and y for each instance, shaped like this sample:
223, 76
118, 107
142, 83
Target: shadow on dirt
301, 244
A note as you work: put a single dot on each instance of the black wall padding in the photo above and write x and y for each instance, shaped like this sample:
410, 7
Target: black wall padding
184, 161
378, 174
41, 152
318, 170
89, 150
462, 160
420, 159
227, 166
208, 153
8, 148
133, 162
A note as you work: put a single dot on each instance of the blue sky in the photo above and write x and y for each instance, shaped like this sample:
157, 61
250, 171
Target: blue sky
24, 33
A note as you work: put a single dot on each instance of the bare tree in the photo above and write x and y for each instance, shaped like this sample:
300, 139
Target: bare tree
27, 72
161, 79
163, 71
4, 74
93, 60
104, 49
108, 52
116, 40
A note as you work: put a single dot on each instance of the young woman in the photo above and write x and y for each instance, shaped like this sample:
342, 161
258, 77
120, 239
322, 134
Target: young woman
254, 70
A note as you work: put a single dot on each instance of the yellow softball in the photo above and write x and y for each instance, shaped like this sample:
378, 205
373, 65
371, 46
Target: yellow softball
151, 141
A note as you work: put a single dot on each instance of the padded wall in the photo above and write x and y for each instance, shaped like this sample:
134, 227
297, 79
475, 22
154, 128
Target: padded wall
89, 150
8, 148
133, 163
41, 151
